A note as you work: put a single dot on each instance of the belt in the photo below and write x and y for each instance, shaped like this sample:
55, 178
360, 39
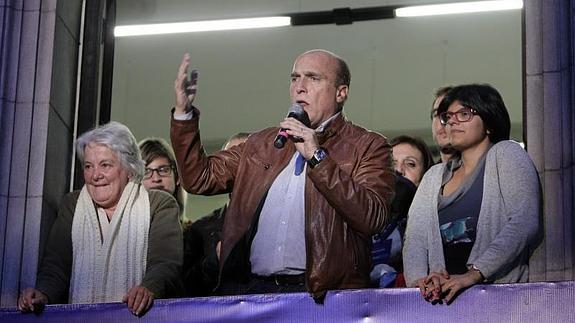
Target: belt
283, 280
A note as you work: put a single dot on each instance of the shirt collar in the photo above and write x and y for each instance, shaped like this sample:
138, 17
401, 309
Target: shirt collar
326, 123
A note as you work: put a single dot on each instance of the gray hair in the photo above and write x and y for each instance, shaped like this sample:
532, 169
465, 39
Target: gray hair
119, 139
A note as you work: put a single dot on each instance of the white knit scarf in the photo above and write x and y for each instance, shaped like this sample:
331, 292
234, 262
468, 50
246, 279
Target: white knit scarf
104, 271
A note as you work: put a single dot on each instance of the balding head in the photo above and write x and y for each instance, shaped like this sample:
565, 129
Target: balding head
319, 83
343, 75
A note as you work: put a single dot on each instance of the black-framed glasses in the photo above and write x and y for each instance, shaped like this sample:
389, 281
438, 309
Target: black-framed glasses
462, 115
163, 171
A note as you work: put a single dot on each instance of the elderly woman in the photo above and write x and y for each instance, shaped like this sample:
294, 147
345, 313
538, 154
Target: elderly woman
113, 240
475, 218
161, 172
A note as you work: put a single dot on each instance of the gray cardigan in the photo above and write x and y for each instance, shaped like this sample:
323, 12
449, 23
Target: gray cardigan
507, 226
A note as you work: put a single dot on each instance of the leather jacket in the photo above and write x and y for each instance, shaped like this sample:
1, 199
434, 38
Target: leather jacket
347, 195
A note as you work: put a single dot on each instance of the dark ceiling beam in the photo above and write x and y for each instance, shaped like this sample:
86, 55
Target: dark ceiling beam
342, 16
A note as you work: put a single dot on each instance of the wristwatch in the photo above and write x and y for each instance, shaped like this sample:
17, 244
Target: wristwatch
319, 155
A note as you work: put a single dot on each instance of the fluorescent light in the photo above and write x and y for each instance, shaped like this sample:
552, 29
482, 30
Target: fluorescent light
462, 7
195, 26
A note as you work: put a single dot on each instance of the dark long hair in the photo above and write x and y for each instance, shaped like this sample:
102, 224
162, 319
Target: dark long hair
489, 105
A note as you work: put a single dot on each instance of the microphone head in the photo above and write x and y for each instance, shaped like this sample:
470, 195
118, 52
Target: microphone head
296, 108
281, 140
297, 112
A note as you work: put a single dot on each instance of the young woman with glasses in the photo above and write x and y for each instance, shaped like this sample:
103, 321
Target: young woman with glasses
161, 172
474, 219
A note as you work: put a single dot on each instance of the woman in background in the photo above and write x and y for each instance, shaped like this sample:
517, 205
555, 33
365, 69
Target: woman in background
411, 157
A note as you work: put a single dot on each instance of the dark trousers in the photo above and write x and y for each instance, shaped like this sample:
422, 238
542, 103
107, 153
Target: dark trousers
264, 285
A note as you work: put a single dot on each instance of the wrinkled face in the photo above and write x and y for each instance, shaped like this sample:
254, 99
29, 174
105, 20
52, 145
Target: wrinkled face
437, 129
159, 175
408, 161
313, 80
104, 176
463, 135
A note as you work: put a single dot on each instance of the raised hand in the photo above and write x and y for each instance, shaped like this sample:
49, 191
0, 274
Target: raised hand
185, 88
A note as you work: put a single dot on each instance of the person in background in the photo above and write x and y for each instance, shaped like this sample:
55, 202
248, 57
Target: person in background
161, 172
474, 219
300, 218
411, 157
386, 246
202, 243
438, 130
113, 241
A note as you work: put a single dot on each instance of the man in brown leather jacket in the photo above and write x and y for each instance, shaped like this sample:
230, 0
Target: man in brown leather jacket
300, 217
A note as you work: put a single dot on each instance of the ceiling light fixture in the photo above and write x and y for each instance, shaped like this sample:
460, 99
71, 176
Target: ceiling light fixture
339, 16
196, 26
462, 7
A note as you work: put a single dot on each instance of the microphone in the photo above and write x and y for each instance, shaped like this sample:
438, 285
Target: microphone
297, 112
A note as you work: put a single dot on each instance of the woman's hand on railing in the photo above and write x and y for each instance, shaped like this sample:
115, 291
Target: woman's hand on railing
431, 286
32, 300
458, 283
139, 299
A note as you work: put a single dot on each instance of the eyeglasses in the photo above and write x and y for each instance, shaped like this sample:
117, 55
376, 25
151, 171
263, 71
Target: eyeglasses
461, 115
163, 171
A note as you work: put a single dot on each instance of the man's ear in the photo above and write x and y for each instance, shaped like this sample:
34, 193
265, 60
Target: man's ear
341, 93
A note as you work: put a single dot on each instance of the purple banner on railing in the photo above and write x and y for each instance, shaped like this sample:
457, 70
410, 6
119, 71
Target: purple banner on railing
535, 302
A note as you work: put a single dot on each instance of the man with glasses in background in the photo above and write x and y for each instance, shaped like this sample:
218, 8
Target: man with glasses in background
161, 172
